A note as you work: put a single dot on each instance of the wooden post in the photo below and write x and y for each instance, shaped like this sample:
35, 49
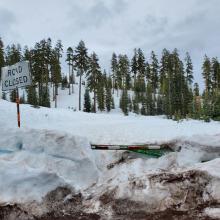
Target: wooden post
18, 107
55, 96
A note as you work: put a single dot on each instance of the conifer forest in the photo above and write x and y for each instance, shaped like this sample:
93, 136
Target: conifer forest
162, 84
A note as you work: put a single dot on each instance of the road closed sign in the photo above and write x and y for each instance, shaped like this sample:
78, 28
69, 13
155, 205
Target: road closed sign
16, 76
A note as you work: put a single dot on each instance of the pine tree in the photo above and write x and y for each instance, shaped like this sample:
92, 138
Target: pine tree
144, 106
165, 82
87, 101
124, 102
196, 89
45, 101
159, 105
141, 63
216, 106
64, 82
140, 87
154, 68
109, 102
94, 78
207, 74
13, 55
101, 95
13, 96
69, 60
59, 49
206, 108
40, 66
114, 66
32, 96
189, 69
150, 107
81, 60
4, 96
154, 77
124, 72
215, 74
135, 105
112, 103
108, 99
196, 103
2, 58
130, 106
134, 65
56, 70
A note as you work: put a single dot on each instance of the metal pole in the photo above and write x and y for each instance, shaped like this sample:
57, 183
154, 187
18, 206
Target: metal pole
18, 107
126, 147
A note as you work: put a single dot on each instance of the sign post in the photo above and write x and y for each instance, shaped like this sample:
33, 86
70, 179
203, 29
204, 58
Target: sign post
14, 77
18, 107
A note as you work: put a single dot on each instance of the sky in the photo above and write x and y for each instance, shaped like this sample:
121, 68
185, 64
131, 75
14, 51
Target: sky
108, 26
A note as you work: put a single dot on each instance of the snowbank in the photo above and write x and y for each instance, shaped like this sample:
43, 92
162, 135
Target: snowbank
34, 162
108, 128
52, 149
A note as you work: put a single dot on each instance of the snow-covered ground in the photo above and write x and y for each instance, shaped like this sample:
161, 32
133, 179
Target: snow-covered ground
52, 148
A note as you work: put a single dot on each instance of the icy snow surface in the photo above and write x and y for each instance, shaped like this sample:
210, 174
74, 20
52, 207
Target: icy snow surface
52, 149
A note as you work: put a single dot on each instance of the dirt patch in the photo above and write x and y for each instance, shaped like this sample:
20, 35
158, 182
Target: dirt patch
186, 189
185, 201
14, 212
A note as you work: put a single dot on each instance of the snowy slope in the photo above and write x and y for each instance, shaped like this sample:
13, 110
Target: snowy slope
52, 148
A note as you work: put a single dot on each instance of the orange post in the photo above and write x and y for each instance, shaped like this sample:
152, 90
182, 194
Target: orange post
18, 108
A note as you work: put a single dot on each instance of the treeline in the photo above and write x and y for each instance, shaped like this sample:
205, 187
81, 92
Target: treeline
45, 68
145, 85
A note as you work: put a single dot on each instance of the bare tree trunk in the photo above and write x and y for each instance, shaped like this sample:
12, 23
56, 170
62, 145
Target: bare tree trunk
80, 79
72, 84
53, 92
113, 84
69, 80
94, 101
55, 96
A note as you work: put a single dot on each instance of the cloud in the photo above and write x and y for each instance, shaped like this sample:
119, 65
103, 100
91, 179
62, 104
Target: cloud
118, 26
7, 21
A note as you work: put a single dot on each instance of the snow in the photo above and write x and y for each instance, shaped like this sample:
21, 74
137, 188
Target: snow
40, 161
52, 148
213, 212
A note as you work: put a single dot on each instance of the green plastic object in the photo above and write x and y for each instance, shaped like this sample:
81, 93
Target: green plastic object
153, 153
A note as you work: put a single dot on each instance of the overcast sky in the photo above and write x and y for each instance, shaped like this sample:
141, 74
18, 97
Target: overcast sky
117, 25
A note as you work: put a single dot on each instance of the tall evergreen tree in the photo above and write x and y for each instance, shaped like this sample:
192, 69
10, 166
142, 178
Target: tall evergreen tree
134, 65
215, 74
154, 77
154, 69
207, 74
150, 105
13, 55
81, 64
124, 72
124, 102
32, 96
69, 60
189, 69
58, 51
94, 77
2, 58
4, 96
109, 103
87, 101
114, 67
196, 89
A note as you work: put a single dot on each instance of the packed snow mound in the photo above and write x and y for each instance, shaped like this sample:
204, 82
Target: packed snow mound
52, 150
34, 162
103, 128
